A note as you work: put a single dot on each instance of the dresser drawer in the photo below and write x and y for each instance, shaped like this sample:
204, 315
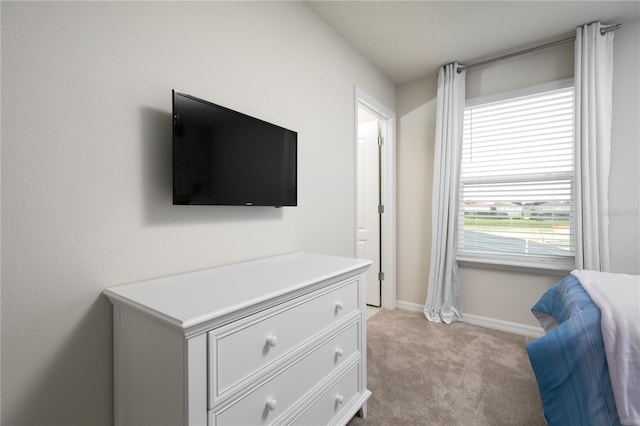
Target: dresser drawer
331, 402
238, 352
271, 398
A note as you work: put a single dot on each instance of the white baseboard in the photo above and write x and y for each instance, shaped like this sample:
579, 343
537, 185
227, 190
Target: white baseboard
496, 324
510, 327
408, 306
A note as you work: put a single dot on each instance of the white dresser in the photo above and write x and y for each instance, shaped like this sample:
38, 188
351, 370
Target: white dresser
280, 340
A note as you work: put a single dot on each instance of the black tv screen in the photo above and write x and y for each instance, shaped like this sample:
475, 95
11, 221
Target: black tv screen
224, 157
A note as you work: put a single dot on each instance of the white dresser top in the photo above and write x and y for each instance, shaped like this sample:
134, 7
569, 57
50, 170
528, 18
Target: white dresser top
192, 298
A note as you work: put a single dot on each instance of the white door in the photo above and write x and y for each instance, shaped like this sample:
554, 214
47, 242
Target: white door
368, 220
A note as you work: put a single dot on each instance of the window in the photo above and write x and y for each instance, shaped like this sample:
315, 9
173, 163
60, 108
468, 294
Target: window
517, 179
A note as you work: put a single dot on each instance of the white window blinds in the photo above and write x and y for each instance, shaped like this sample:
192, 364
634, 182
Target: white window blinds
516, 184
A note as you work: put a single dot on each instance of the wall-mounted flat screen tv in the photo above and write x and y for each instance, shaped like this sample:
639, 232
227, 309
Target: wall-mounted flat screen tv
224, 157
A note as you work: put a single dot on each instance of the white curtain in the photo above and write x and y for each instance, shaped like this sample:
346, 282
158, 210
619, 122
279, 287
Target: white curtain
593, 85
442, 303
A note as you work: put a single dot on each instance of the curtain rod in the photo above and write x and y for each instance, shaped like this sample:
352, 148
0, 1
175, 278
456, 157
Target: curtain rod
603, 31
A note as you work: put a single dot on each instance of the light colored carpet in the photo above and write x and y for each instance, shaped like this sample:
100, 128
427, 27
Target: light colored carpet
423, 373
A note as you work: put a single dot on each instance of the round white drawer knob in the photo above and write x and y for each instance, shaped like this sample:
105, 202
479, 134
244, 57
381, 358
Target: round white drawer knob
339, 305
339, 351
272, 340
272, 404
339, 399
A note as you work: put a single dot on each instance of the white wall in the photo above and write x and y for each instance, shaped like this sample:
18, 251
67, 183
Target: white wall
86, 155
624, 184
416, 126
499, 293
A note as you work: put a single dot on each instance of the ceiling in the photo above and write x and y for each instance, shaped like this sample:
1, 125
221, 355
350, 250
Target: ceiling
410, 39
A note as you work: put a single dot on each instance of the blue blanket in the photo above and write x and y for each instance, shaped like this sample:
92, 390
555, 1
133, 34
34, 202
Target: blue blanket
569, 361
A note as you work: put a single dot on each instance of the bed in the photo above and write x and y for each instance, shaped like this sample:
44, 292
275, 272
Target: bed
587, 365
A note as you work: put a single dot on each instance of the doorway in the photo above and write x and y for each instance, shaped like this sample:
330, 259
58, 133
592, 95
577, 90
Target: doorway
369, 222
375, 198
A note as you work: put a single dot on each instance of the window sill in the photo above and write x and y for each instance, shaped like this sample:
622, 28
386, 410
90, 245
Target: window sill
551, 268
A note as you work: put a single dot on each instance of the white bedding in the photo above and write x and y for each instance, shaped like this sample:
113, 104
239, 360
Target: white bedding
618, 297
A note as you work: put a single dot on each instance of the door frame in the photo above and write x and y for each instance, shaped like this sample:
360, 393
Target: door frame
388, 188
